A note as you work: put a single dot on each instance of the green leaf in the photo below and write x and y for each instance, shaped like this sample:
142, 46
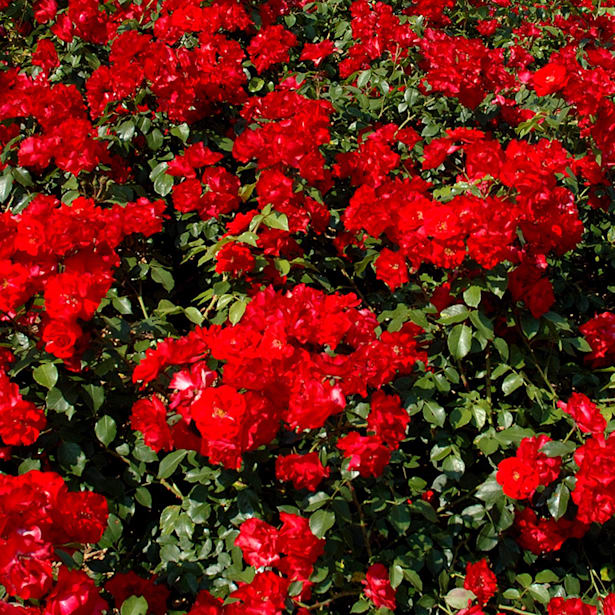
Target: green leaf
163, 184
546, 576
363, 78
400, 518
434, 413
194, 315
524, 579
454, 313
360, 606
164, 277
511, 383
72, 457
539, 593
181, 132
154, 139
169, 464
256, 84
135, 605
23, 177
558, 502
490, 491
96, 395
158, 170
557, 449
472, 296
459, 597
487, 538
483, 324
279, 221
426, 509
460, 341
321, 521
6, 183
413, 577
144, 497
46, 375
105, 429
236, 311
126, 130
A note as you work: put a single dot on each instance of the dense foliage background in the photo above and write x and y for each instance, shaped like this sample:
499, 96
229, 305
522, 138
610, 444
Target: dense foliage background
307, 307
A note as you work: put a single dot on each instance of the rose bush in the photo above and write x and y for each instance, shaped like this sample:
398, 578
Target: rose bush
307, 307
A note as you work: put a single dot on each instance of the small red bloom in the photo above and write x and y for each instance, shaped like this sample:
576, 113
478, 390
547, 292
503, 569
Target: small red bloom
480, 580
518, 478
378, 587
258, 542
367, 453
585, 413
234, 258
303, 470
74, 594
570, 606
391, 268
600, 334
550, 79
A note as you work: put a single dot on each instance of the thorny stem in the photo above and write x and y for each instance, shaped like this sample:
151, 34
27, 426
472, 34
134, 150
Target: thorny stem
210, 306
464, 379
172, 488
319, 605
535, 361
362, 522
488, 385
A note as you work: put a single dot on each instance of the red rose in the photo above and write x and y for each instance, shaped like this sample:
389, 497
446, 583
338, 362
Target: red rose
480, 580
391, 268
60, 338
74, 594
367, 453
378, 587
149, 416
549, 79
586, 414
305, 471
25, 564
570, 606
258, 542
518, 478
124, 585
388, 419
600, 335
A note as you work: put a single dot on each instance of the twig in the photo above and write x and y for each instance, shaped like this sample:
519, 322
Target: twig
362, 522
320, 605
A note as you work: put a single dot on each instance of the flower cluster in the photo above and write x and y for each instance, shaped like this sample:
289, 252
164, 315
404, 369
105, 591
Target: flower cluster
297, 357
40, 514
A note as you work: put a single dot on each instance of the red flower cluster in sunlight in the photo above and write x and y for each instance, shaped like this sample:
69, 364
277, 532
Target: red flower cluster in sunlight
378, 587
292, 550
521, 474
20, 420
540, 535
594, 491
305, 471
480, 580
585, 413
600, 334
297, 357
67, 252
39, 514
